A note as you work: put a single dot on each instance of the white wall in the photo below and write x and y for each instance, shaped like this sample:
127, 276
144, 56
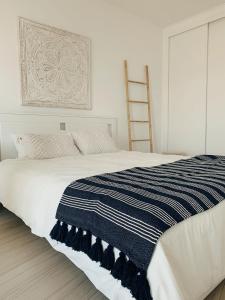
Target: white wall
115, 35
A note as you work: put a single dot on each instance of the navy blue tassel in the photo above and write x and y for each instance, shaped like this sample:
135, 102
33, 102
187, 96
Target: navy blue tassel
55, 230
117, 270
129, 273
108, 258
62, 233
77, 240
86, 242
70, 236
96, 251
140, 288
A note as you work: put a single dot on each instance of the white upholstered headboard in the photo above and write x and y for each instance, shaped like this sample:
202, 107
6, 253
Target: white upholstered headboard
45, 123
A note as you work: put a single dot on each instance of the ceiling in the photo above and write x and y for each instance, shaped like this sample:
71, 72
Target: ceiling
166, 12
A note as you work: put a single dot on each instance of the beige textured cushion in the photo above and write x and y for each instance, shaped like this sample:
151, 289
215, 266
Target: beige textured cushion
94, 140
41, 146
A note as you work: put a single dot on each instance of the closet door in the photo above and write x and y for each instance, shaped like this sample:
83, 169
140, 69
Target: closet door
187, 91
216, 89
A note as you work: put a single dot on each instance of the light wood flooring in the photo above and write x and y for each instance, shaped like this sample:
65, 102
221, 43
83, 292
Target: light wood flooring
31, 270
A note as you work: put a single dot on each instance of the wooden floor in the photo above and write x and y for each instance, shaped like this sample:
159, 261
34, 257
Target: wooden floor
31, 270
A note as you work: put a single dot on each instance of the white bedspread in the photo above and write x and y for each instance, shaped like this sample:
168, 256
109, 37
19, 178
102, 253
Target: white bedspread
189, 260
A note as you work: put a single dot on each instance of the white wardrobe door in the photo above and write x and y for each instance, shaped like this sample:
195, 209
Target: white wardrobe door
216, 89
187, 91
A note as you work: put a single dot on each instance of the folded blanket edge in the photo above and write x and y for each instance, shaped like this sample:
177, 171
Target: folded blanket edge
123, 269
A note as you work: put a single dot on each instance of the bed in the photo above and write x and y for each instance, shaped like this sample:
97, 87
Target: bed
188, 261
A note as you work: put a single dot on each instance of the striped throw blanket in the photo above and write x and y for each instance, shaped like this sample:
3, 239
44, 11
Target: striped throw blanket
131, 209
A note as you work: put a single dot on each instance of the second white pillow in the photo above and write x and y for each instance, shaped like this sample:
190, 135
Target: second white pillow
94, 141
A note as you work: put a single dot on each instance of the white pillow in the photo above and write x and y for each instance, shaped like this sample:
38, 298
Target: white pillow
94, 140
41, 146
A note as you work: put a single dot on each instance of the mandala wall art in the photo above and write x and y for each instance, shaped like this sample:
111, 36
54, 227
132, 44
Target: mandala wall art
55, 66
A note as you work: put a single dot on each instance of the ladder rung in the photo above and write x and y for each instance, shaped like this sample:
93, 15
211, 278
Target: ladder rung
139, 121
136, 101
145, 140
137, 82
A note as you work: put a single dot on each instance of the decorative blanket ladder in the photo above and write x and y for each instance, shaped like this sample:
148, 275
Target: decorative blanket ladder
146, 102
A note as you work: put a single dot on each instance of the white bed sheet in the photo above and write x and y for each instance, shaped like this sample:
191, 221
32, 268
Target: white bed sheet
189, 259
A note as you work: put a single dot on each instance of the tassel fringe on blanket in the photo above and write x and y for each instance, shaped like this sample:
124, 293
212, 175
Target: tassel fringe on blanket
122, 268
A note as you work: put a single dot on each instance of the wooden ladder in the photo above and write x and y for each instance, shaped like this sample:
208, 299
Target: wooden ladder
146, 102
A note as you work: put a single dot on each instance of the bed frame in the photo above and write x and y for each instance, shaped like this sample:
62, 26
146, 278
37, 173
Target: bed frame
11, 123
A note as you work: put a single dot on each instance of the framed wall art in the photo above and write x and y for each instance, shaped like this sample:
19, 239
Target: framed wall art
55, 66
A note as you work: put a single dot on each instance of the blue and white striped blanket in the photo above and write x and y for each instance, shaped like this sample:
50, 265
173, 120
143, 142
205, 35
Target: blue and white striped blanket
131, 209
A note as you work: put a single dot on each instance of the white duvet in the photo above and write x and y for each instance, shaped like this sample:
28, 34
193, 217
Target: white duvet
189, 259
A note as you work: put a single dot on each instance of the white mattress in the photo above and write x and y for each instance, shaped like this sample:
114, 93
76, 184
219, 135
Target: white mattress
189, 259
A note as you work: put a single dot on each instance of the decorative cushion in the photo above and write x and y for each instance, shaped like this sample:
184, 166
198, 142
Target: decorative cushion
94, 140
41, 146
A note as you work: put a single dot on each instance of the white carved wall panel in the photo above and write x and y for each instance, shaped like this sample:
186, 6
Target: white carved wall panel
55, 66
